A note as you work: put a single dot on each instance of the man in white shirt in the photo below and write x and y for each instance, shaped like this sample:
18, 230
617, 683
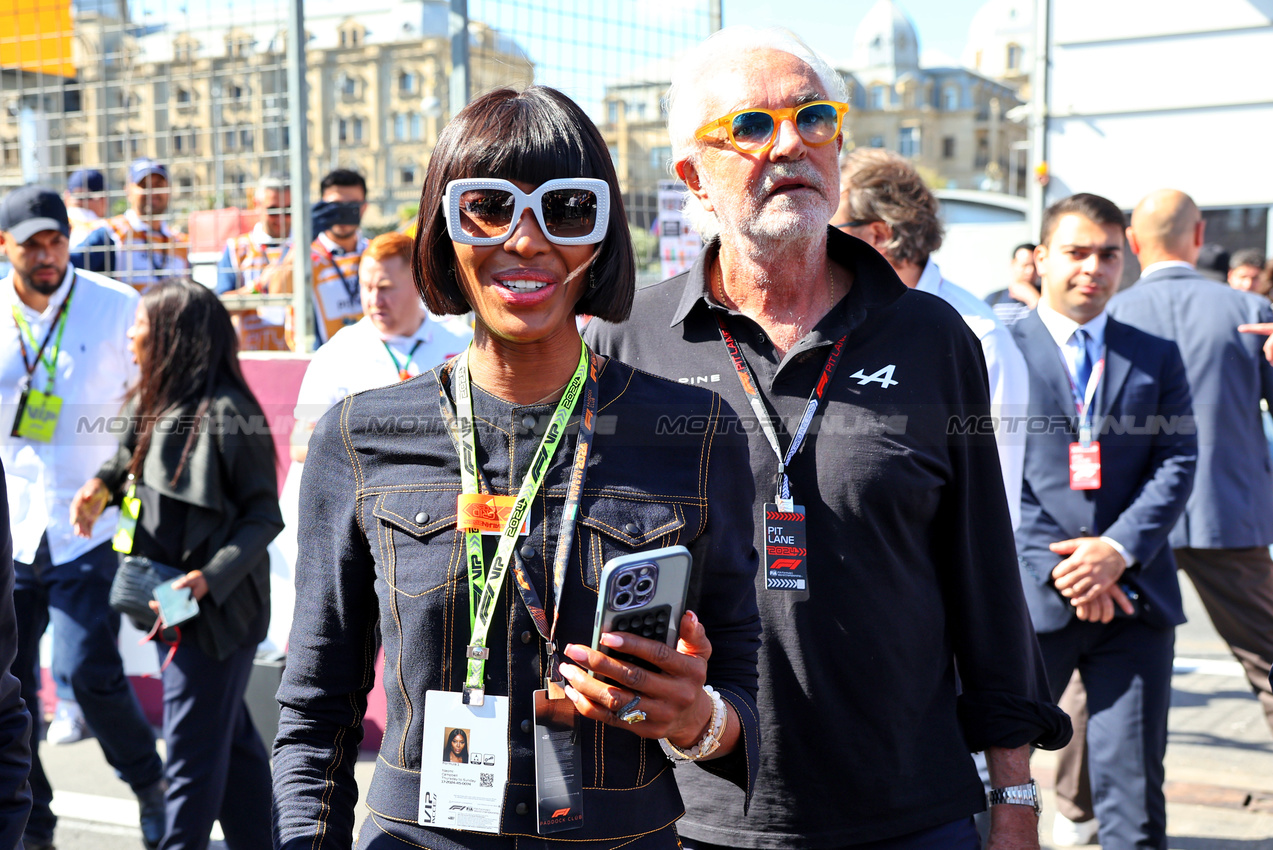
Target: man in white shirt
64, 369
395, 339
884, 202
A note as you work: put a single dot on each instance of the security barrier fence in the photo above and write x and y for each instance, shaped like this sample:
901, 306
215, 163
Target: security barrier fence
204, 87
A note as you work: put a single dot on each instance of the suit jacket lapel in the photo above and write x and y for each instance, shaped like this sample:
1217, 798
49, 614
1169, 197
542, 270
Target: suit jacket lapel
1040, 351
1117, 365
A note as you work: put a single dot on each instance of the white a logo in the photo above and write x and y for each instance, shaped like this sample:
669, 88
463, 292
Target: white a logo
884, 377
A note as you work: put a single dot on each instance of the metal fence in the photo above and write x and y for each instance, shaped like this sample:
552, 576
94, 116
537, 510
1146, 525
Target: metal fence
205, 87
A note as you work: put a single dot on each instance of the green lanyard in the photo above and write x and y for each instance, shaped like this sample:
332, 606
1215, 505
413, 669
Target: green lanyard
25, 335
402, 368
490, 584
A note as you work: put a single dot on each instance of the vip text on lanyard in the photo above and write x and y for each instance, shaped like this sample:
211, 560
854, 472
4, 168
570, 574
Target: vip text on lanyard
481, 609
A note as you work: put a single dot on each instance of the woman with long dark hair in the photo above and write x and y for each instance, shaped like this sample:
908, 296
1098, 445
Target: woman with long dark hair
456, 748
199, 460
521, 222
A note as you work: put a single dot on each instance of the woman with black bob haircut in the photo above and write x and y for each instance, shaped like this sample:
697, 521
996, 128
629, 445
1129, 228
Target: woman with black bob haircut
199, 460
409, 528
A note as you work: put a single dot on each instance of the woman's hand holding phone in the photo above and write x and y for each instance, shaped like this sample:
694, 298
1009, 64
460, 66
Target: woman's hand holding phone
675, 705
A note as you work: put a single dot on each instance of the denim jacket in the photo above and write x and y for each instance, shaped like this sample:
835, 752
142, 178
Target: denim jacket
381, 561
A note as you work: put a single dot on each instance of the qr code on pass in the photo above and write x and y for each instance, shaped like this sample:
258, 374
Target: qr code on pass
488, 780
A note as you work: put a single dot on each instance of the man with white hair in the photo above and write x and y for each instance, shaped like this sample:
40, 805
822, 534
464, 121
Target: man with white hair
881, 512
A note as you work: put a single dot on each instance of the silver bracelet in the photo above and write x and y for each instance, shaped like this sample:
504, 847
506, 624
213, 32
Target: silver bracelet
711, 739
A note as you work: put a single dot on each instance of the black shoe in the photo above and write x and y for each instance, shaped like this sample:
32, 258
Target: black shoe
153, 818
37, 844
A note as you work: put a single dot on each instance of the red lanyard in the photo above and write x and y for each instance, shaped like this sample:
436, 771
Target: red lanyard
750, 387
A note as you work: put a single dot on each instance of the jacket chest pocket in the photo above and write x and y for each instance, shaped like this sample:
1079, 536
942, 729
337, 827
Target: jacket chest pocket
414, 540
610, 526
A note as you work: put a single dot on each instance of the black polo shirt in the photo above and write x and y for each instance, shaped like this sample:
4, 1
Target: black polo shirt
911, 564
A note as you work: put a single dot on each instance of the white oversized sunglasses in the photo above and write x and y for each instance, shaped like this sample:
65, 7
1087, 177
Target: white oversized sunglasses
570, 211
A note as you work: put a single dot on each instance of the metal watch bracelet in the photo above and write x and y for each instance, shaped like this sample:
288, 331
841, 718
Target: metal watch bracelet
711, 739
1016, 795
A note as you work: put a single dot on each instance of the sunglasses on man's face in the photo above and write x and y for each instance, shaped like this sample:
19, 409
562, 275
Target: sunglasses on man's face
754, 131
570, 211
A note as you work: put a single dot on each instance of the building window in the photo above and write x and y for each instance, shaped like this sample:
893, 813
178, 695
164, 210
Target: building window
878, 96
406, 82
134, 147
950, 99
73, 155
342, 130
948, 147
417, 127
399, 126
183, 97
659, 157
876, 142
346, 85
246, 139
407, 174
612, 112
236, 91
1015, 55
358, 130
908, 141
230, 140
71, 100
184, 182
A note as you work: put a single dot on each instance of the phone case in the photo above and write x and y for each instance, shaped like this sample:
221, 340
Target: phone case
655, 614
175, 606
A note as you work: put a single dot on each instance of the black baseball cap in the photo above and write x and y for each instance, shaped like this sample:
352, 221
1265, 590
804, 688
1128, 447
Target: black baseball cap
25, 212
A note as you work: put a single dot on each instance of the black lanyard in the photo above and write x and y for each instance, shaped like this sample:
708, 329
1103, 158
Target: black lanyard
750, 387
350, 290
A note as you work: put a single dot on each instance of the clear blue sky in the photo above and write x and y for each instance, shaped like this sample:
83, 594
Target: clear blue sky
828, 25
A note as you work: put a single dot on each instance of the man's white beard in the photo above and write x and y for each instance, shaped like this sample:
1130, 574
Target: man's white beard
762, 219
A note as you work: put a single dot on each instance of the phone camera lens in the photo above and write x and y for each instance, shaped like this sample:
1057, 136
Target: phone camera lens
622, 599
645, 585
625, 579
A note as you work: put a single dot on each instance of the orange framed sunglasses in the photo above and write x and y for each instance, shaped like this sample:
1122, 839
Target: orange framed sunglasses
753, 131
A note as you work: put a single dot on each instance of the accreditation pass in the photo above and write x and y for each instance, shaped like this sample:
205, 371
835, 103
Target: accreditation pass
463, 762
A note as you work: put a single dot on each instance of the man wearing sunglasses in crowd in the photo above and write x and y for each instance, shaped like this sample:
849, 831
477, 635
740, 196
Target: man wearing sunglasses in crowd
881, 515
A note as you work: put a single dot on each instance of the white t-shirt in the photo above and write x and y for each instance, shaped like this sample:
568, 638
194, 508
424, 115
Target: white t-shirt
356, 358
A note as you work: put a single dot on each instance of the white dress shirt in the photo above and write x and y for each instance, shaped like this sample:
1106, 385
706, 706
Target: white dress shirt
355, 359
1006, 369
1165, 264
93, 371
1063, 329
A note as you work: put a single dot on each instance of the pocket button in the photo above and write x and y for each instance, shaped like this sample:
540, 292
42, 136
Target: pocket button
525, 637
527, 551
632, 529
522, 808
421, 518
526, 727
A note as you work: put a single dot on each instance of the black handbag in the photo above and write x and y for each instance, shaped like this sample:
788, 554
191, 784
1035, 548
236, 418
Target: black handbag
134, 586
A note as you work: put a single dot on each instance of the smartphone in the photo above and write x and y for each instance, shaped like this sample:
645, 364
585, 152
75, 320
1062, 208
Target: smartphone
643, 594
175, 606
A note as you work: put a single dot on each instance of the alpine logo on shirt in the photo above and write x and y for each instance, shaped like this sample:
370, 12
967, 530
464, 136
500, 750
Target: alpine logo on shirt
884, 377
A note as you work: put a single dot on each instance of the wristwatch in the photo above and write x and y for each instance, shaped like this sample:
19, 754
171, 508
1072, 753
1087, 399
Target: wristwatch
1016, 795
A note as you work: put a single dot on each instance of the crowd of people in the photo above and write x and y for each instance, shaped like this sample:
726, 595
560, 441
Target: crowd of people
894, 566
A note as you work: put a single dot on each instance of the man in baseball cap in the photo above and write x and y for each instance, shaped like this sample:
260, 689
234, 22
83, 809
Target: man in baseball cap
137, 247
85, 203
64, 359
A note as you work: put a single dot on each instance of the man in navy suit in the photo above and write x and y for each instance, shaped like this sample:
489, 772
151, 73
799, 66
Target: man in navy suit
1110, 455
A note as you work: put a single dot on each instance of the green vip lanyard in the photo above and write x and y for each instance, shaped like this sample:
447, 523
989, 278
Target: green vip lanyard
403, 373
25, 335
489, 583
